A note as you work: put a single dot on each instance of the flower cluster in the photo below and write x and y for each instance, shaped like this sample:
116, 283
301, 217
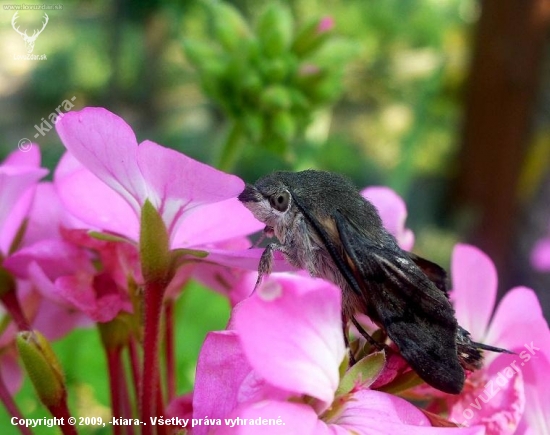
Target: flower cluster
111, 242
269, 80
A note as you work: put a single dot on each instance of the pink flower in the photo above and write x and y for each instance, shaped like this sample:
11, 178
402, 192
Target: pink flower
498, 396
107, 178
23, 198
282, 359
393, 211
58, 263
540, 256
19, 175
325, 24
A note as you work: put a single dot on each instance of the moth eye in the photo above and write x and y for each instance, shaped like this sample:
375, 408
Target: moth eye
280, 201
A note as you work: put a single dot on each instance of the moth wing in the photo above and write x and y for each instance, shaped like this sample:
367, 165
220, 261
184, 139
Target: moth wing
434, 272
416, 314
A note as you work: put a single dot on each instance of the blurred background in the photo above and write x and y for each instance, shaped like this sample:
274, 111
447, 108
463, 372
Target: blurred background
445, 101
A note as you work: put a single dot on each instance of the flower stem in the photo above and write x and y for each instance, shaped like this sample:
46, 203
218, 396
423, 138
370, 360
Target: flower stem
133, 355
125, 399
14, 308
11, 407
61, 411
113, 362
169, 350
232, 148
154, 292
162, 429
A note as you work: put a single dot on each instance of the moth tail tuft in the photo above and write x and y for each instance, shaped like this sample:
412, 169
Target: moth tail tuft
469, 352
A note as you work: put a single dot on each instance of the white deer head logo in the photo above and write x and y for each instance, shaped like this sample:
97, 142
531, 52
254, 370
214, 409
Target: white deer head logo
29, 40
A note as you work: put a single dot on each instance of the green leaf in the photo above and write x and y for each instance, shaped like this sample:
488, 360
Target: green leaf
363, 373
107, 237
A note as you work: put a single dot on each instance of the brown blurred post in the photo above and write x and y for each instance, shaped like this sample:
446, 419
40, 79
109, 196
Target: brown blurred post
501, 97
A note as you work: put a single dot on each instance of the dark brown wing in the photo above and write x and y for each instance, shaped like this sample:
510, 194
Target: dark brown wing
416, 314
433, 271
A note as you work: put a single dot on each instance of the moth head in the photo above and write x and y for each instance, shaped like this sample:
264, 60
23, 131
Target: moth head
271, 203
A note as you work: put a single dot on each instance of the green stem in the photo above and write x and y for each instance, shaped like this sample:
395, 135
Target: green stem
232, 148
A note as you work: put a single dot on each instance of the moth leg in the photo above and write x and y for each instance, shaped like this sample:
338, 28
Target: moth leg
367, 336
266, 262
267, 232
352, 360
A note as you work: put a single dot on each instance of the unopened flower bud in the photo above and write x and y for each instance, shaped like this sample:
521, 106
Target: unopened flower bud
275, 30
118, 331
42, 367
275, 98
229, 26
312, 36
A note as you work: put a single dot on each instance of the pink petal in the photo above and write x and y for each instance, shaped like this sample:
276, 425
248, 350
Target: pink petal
498, 403
393, 211
173, 182
540, 257
10, 223
56, 321
294, 418
30, 158
10, 371
300, 318
474, 289
221, 369
518, 321
178, 183
536, 373
98, 297
325, 24
18, 176
235, 284
92, 201
373, 412
107, 146
181, 406
54, 318
247, 259
214, 223
46, 215
395, 365
56, 257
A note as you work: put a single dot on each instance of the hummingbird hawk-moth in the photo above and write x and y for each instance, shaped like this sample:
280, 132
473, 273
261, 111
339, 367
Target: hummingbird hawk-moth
326, 227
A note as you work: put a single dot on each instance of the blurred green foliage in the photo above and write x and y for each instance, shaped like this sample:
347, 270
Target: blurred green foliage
260, 73
269, 81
